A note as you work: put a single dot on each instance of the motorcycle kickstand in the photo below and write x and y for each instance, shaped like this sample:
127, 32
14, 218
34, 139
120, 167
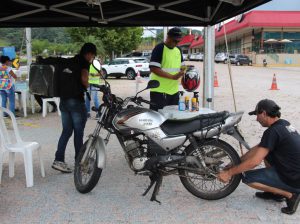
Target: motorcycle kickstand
155, 178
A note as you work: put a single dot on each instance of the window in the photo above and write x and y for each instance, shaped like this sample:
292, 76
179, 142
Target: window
140, 60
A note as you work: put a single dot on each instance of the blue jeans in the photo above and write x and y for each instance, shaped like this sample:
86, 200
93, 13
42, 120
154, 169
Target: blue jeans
94, 97
10, 94
73, 117
269, 177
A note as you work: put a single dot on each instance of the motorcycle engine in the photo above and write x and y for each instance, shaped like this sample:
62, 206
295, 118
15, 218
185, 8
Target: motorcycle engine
135, 155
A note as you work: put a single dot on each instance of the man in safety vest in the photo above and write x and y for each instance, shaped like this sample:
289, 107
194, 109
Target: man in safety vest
166, 67
94, 78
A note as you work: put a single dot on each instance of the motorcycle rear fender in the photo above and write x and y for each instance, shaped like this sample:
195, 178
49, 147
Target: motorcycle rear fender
101, 152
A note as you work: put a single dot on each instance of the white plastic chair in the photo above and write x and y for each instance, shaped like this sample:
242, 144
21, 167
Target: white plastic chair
23, 98
53, 99
25, 148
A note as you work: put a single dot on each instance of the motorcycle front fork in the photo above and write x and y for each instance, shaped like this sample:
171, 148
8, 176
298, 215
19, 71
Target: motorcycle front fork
93, 137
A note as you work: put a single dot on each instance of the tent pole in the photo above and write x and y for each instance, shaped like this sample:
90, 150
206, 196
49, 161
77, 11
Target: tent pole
208, 67
28, 49
165, 32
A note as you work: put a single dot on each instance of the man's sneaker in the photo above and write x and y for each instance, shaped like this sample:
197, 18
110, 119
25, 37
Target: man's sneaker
292, 204
61, 166
270, 196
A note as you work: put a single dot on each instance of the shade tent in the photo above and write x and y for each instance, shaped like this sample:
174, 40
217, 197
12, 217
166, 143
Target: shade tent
118, 13
62, 13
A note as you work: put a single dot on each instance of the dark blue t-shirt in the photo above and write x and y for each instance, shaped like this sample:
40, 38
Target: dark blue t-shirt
283, 142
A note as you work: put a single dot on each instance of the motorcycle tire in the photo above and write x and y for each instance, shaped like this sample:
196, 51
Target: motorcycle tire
234, 182
95, 175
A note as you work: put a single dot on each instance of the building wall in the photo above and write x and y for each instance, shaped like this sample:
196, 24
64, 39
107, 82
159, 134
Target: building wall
273, 59
250, 42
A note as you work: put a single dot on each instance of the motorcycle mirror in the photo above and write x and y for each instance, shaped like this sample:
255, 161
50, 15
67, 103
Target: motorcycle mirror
96, 64
152, 84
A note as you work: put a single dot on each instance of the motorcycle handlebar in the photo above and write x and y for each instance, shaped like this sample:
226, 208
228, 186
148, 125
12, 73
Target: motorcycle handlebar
140, 99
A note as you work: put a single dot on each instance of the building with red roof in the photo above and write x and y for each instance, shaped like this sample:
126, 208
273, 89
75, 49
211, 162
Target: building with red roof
274, 35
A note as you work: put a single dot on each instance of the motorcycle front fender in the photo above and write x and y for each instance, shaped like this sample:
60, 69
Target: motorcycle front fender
101, 152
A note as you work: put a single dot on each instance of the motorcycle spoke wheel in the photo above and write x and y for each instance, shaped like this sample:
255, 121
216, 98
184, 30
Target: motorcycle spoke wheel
87, 169
207, 186
86, 173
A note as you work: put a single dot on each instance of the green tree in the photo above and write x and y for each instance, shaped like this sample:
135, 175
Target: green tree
117, 40
38, 46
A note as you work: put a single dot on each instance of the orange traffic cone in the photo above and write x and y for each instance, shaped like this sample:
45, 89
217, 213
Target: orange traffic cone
274, 83
138, 77
216, 83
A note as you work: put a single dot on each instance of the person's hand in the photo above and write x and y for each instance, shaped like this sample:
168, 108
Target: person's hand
224, 176
179, 74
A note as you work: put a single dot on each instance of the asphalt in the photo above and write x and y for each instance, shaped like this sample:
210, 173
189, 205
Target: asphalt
117, 197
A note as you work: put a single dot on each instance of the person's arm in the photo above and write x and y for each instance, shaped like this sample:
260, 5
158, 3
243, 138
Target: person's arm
85, 78
155, 64
158, 71
249, 153
253, 159
13, 74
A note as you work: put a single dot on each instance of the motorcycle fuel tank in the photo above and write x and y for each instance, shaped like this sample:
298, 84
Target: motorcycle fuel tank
137, 119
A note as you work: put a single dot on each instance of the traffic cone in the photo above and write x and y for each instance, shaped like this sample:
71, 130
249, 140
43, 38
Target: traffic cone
138, 77
274, 83
216, 83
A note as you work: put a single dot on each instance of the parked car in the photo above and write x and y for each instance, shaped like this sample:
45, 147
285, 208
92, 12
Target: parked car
196, 57
221, 57
239, 59
185, 57
144, 54
128, 67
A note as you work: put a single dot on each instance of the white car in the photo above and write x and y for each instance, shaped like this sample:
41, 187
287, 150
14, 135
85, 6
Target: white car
128, 67
185, 57
196, 57
221, 57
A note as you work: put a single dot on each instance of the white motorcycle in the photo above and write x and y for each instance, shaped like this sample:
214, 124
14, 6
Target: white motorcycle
157, 147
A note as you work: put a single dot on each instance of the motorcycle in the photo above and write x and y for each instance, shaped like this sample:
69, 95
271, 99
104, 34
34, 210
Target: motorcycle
265, 62
156, 146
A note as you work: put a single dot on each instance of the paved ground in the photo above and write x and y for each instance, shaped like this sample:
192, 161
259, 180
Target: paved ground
117, 198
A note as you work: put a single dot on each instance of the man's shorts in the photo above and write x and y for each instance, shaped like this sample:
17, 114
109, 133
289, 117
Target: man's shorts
268, 177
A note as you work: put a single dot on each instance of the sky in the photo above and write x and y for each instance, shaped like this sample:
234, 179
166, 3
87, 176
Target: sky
277, 5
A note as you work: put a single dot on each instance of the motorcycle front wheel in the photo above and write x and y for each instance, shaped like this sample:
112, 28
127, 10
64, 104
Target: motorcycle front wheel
208, 186
86, 173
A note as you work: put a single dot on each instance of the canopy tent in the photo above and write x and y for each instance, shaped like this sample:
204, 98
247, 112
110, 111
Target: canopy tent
101, 13
63, 13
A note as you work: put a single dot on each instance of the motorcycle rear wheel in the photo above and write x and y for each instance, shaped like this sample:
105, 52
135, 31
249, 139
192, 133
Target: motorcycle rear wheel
90, 170
205, 189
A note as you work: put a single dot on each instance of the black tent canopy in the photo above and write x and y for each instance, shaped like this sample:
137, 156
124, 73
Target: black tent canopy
87, 13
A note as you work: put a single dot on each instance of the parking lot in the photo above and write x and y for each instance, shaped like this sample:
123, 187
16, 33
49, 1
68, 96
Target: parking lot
117, 197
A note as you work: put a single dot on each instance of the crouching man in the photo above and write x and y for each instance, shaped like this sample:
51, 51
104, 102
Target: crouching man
280, 150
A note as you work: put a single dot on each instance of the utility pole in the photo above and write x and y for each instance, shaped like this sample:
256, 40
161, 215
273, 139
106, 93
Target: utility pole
28, 49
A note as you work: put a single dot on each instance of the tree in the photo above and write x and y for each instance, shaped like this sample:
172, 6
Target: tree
117, 40
38, 46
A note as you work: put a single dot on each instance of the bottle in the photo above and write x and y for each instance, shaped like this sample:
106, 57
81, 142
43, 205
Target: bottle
197, 100
194, 104
187, 103
181, 105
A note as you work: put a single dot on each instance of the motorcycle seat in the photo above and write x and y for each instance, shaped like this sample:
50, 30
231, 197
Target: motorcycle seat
175, 127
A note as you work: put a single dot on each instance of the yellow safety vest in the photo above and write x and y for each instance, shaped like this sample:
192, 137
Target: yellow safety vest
93, 79
171, 63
